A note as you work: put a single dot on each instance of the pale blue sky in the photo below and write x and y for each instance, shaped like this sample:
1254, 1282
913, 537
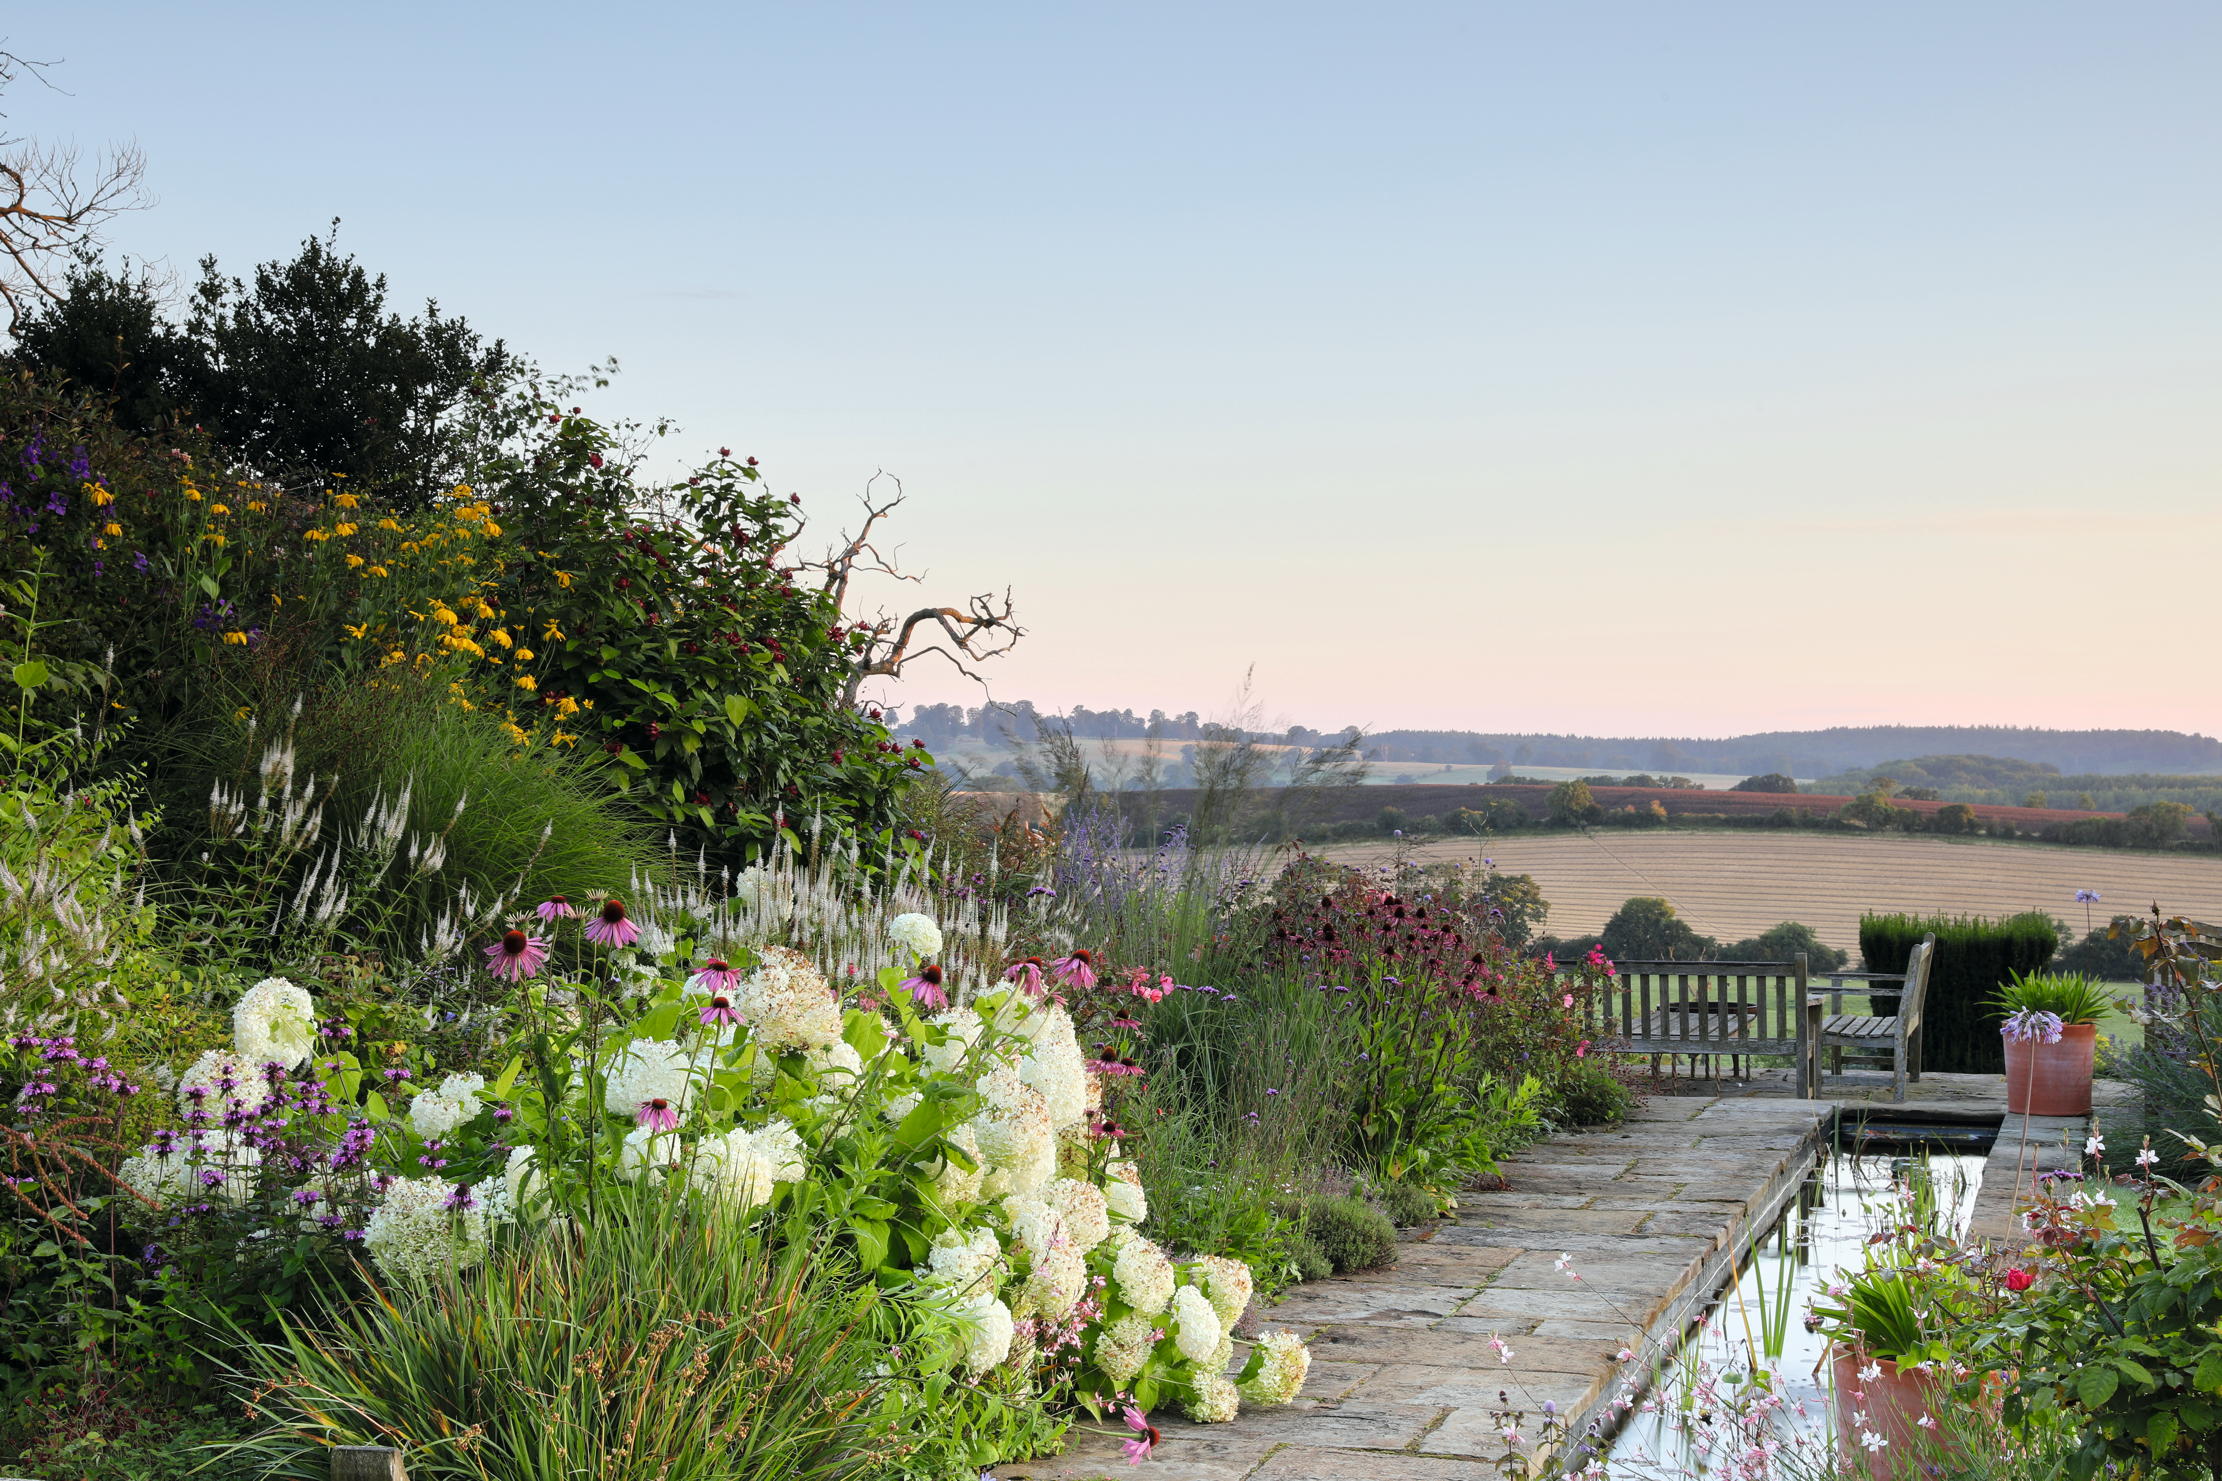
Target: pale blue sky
1629, 368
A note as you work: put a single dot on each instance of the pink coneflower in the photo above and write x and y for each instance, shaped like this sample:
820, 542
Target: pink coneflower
925, 989
1077, 967
658, 1115
1028, 975
1146, 1437
611, 926
720, 1010
716, 976
516, 956
556, 907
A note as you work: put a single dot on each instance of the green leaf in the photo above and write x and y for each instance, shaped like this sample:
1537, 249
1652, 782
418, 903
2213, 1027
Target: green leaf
508, 1076
630, 758
871, 1242
2160, 1433
30, 674
2096, 1384
737, 708
208, 584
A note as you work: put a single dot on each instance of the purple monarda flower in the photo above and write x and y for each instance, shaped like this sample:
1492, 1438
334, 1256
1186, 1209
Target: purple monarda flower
611, 926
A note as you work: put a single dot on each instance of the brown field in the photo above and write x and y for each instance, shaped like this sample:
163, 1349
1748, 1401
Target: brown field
1735, 884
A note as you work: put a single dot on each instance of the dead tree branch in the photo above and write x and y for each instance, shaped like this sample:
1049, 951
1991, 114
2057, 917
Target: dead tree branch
51, 206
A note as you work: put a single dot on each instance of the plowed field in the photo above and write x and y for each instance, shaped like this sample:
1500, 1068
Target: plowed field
1733, 884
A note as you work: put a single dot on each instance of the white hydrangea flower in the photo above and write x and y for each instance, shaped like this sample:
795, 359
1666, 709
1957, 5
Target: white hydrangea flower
1196, 1325
1145, 1277
1034, 1225
1014, 1132
780, 1146
838, 1063
1283, 1362
1055, 1066
899, 1107
1214, 1399
436, 1112
1123, 1192
733, 1167
956, 1186
274, 1022
1123, 1347
521, 1179
649, 1070
413, 1234
966, 1262
1085, 1211
1228, 1284
964, 1028
1056, 1282
988, 1329
918, 932
250, 1091
164, 1177
788, 1002
646, 1149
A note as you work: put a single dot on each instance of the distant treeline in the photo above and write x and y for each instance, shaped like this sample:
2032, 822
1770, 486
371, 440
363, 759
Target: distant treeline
2008, 782
1809, 753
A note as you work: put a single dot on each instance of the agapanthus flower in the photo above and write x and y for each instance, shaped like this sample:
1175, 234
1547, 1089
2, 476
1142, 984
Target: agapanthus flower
2032, 1026
1077, 968
1027, 974
720, 1011
925, 988
556, 907
516, 956
716, 977
611, 926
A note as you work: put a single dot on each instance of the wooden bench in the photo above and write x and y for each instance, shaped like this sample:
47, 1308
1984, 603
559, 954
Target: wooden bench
1879, 1038
1711, 1009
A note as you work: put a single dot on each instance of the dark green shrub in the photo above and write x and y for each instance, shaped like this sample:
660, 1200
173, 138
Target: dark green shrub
1309, 1258
1353, 1234
2106, 953
1404, 1204
1975, 958
1782, 943
1646, 929
1589, 1095
1773, 781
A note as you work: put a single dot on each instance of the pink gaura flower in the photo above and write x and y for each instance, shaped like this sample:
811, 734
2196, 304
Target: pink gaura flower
1028, 975
715, 976
720, 1010
555, 907
611, 926
1077, 968
925, 989
658, 1115
516, 956
1146, 1436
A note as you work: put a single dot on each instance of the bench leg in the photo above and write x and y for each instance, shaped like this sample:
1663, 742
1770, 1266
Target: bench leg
1913, 1056
1898, 1069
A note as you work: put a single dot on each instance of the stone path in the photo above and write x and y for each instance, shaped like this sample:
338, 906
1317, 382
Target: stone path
1405, 1383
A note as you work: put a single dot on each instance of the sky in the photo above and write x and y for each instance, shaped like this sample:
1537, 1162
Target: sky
1616, 368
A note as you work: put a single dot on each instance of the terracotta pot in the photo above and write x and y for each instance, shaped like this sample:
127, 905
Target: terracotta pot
2051, 1079
1893, 1403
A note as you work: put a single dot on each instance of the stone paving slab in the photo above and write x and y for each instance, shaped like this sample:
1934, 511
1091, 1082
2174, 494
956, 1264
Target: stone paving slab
1406, 1382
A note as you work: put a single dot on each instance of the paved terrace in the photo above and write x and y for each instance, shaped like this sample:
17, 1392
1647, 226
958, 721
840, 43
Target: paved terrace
1405, 1383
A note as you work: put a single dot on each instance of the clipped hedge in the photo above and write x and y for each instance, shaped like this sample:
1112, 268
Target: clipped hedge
1975, 957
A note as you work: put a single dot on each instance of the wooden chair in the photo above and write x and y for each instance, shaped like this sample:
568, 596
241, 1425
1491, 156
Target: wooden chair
1712, 1009
1883, 1038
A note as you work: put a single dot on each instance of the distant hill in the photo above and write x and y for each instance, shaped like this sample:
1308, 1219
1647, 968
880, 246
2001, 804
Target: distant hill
2004, 780
1800, 753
